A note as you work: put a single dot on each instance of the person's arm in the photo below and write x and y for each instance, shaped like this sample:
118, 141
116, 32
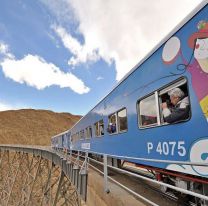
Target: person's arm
165, 110
177, 115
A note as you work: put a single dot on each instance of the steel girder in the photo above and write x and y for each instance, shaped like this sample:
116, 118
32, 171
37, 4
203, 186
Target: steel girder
28, 179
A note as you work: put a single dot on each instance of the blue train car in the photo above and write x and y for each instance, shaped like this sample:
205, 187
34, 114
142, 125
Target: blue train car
61, 141
139, 118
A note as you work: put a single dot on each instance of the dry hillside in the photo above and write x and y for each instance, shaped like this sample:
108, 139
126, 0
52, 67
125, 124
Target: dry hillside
34, 127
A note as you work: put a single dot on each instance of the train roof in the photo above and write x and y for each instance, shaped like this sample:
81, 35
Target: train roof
60, 134
155, 48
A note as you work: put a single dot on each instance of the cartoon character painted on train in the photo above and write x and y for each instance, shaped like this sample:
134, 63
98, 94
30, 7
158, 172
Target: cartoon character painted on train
198, 153
197, 66
198, 63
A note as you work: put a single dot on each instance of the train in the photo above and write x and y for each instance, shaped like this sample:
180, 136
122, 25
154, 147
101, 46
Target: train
129, 123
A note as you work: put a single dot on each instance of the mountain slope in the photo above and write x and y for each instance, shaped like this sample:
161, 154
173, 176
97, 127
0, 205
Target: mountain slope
34, 127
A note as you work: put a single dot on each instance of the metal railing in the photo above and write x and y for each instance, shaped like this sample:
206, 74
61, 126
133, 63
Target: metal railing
106, 177
75, 166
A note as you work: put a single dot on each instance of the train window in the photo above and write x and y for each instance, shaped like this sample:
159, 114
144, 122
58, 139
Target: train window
112, 123
96, 129
99, 128
148, 111
122, 120
89, 132
81, 134
174, 102
77, 136
117, 122
73, 138
86, 132
165, 106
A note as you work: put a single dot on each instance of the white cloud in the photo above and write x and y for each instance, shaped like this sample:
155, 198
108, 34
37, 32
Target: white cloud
36, 72
99, 78
61, 9
81, 53
119, 30
4, 51
3, 48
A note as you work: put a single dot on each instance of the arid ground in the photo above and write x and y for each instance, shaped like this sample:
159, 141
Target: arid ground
33, 127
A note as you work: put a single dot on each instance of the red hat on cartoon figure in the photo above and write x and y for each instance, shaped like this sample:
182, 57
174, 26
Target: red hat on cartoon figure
202, 33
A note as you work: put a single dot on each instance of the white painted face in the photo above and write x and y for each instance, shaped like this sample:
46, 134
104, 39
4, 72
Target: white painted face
201, 49
199, 153
171, 50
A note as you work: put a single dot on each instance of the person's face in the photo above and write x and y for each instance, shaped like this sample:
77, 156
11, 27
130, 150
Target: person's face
174, 99
201, 49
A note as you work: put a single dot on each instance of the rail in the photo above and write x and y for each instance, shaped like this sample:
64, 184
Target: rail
105, 156
106, 177
148, 160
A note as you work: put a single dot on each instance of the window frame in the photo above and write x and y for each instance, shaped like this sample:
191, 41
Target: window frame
122, 131
88, 133
114, 113
117, 124
73, 138
98, 124
77, 136
138, 111
82, 134
91, 133
163, 90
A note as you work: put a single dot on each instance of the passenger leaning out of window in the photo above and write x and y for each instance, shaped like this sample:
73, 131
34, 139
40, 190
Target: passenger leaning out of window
180, 109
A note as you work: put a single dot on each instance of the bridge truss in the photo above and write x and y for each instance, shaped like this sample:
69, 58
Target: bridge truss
35, 177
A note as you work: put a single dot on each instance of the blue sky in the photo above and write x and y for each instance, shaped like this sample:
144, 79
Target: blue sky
66, 55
